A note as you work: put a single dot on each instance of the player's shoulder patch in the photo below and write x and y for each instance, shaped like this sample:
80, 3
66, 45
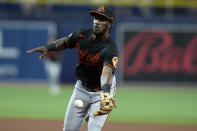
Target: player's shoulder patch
115, 61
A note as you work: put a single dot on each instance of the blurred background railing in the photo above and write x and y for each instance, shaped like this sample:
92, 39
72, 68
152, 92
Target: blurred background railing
157, 39
150, 3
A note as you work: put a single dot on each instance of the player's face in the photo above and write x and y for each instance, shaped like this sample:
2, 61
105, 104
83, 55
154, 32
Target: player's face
101, 25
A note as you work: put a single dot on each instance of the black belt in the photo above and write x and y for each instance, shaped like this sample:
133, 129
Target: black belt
92, 88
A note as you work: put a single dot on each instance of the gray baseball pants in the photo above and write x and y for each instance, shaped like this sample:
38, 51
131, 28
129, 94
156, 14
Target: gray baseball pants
75, 117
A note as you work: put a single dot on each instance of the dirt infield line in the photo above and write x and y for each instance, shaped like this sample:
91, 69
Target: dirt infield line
55, 125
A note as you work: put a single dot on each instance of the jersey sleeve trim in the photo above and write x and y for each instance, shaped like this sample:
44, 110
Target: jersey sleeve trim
107, 64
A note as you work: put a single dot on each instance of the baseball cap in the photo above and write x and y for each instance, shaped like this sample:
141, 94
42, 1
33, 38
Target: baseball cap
103, 11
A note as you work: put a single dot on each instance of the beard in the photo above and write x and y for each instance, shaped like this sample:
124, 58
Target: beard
98, 31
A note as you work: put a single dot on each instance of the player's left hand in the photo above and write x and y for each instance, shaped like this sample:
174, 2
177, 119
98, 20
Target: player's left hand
106, 105
43, 50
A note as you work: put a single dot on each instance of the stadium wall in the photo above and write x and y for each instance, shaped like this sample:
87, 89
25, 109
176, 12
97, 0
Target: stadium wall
69, 18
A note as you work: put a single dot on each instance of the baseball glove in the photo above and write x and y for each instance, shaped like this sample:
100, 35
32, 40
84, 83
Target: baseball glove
106, 105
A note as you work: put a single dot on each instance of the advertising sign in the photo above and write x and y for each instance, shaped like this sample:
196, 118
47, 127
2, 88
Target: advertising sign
158, 52
16, 37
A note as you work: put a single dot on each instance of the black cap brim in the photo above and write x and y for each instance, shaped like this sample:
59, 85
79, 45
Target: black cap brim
95, 13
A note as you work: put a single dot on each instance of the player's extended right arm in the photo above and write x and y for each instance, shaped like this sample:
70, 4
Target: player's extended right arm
54, 46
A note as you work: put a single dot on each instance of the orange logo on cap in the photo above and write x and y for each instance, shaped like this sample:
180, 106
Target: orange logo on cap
102, 9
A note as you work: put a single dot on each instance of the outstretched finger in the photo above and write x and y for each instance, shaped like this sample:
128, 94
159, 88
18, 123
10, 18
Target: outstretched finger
33, 50
43, 54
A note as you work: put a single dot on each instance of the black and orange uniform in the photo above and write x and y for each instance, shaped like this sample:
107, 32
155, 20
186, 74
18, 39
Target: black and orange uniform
92, 56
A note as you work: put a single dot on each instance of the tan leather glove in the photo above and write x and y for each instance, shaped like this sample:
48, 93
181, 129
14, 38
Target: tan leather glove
106, 105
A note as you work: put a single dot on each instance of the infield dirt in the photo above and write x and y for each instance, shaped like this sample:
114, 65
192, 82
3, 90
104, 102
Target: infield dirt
52, 125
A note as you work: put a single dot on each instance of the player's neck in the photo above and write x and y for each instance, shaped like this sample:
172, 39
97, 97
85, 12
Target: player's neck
100, 37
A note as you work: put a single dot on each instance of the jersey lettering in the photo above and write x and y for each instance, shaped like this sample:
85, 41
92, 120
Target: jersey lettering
88, 58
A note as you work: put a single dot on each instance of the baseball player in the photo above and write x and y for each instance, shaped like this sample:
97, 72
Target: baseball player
97, 61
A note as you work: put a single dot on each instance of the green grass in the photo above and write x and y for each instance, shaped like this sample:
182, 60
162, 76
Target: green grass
30, 102
156, 106
139, 105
